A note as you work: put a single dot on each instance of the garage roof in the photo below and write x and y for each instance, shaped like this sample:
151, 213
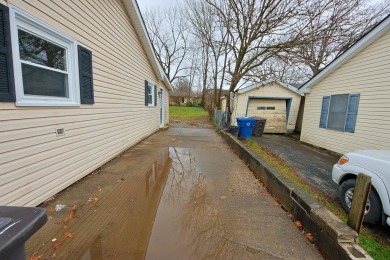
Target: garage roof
246, 89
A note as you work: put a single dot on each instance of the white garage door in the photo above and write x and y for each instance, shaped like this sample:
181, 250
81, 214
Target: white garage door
273, 110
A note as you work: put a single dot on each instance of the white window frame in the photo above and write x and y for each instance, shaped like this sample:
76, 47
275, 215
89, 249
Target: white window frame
151, 83
21, 19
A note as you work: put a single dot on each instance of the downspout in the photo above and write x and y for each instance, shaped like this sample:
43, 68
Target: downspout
288, 107
247, 106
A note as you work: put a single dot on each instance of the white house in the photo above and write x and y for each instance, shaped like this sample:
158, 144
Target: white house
347, 104
79, 84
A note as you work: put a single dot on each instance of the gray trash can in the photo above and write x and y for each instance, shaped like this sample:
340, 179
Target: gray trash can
258, 129
17, 225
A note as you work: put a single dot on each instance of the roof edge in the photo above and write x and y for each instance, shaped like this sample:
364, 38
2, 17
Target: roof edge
378, 31
285, 85
136, 18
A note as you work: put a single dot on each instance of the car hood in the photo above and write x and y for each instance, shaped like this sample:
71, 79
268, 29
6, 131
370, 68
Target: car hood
383, 155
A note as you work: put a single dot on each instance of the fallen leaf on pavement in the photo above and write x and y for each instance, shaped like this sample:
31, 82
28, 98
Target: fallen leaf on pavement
68, 235
69, 217
57, 244
35, 256
309, 237
298, 224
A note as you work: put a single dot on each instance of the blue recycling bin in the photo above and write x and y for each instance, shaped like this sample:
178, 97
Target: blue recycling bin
246, 125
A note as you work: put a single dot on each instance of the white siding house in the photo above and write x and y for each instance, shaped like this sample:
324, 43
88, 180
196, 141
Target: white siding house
79, 84
348, 103
273, 100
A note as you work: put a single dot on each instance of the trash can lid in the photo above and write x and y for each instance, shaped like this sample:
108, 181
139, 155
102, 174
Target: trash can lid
18, 225
257, 118
245, 119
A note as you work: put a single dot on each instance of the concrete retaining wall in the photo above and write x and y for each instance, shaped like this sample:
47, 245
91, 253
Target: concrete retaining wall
334, 238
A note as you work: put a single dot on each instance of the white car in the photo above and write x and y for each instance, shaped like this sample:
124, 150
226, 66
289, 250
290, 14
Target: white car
374, 163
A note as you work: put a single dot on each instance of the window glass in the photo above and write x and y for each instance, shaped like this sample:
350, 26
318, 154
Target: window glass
42, 52
260, 108
270, 108
42, 82
337, 111
150, 94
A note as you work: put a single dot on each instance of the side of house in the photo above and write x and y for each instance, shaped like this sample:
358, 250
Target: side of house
275, 101
86, 87
348, 104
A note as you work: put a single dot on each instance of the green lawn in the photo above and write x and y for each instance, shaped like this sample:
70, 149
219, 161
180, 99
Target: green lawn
180, 112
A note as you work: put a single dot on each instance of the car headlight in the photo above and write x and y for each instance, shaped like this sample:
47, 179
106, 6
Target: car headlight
344, 159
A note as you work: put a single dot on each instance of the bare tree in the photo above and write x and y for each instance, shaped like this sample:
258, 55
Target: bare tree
204, 71
258, 30
331, 27
168, 31
213, 35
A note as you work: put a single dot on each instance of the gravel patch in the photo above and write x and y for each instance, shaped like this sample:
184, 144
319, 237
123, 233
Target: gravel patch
244, 183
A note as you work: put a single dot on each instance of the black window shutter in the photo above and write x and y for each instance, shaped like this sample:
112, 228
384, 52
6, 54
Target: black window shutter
7, 84
155, 95
146, 93
324, 111
353, 105
86, 76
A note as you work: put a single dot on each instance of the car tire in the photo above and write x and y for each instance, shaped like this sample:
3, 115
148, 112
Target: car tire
374, 206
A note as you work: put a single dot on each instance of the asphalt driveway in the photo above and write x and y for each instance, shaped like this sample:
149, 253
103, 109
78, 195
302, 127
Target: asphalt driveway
312, 164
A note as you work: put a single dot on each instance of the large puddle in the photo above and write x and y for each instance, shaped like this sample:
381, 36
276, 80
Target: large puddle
162, 212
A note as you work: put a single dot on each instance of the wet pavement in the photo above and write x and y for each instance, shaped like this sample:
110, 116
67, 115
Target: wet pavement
313, 165
180, 194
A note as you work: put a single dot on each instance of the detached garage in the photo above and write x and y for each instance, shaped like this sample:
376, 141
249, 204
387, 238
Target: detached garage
273, 100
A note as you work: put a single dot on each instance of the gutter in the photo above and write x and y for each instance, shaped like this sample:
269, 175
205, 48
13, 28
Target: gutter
137, 20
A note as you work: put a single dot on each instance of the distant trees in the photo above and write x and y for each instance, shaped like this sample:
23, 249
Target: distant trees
168, 31
216, 43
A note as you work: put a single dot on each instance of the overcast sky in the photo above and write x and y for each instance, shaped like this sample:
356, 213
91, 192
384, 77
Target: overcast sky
155, 3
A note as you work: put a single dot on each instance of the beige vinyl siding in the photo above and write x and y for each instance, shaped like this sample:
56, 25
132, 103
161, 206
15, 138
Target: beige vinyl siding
272, 90
35, 164
368, 74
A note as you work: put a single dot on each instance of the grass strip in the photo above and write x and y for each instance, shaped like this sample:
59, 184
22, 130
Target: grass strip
182, 113
374, 248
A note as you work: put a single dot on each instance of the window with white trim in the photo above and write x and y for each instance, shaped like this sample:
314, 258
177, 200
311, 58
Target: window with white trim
150, 94
45, 63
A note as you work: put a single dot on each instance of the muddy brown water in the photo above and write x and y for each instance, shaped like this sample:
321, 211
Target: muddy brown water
161, 213
159, 201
